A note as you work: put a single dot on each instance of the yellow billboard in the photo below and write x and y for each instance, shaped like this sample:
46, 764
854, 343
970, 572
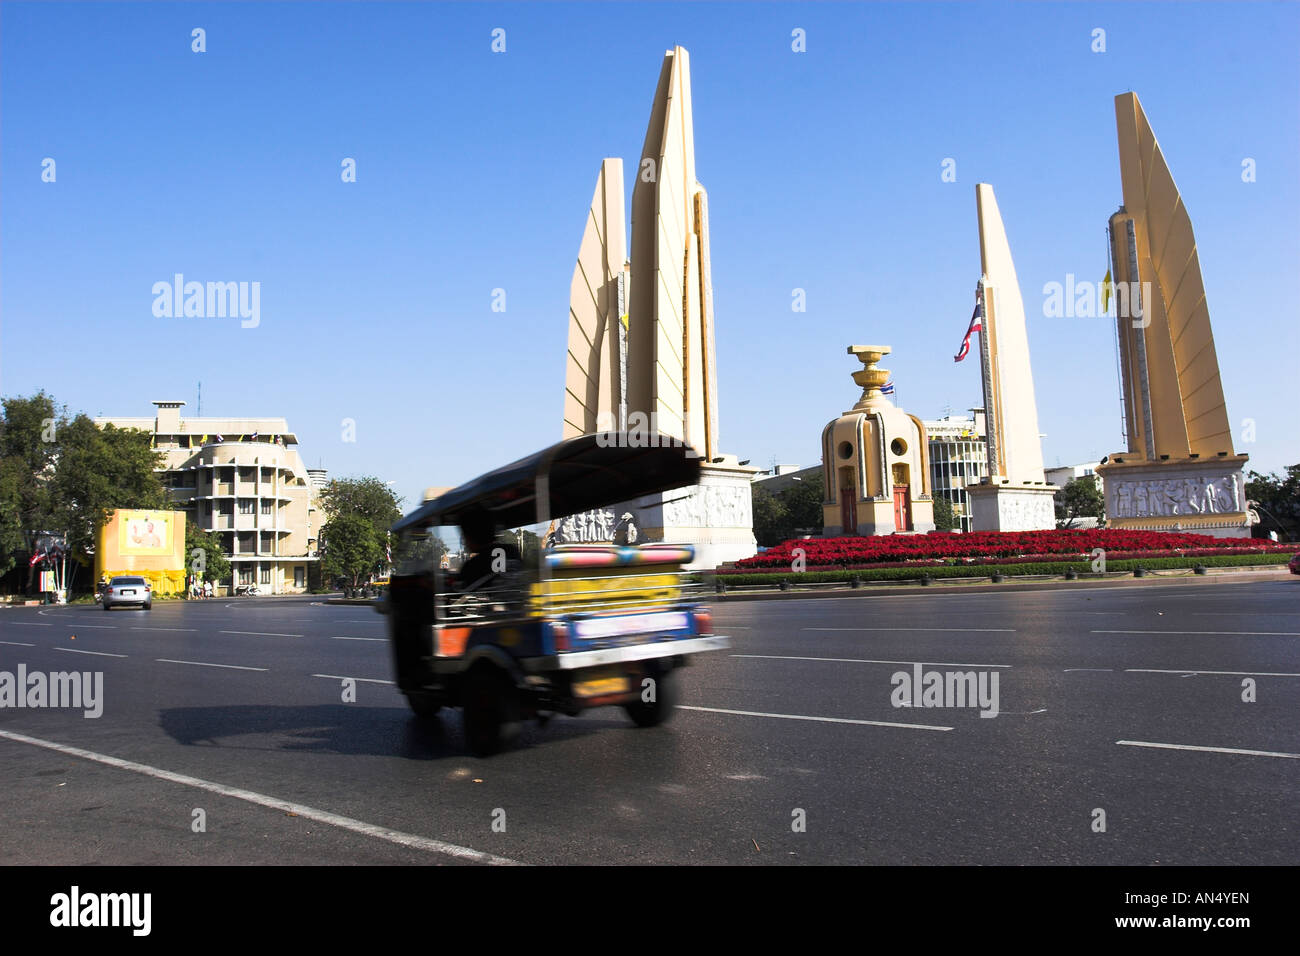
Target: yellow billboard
150, 544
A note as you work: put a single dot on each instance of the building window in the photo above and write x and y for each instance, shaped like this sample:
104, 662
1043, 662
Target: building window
245, 506
266, 574
266, 507
246, 574
300, 577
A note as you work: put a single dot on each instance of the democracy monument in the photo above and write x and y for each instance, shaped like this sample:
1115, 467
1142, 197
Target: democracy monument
641, 357
1179, 471
1016, 496
641, 361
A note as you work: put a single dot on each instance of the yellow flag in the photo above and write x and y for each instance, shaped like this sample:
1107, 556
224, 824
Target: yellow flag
1106, 286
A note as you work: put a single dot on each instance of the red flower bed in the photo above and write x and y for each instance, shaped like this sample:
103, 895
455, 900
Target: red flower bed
981, 546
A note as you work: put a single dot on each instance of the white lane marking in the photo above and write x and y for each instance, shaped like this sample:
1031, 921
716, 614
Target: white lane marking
75, 650
1186, 673
30, 623
18, 643
359, 639
825, 720
364, 680
1105, 670
1216, 750
195, 629
109, 627
854, 660
1241, 633
260, 633
233, 667
942, 630
273, 803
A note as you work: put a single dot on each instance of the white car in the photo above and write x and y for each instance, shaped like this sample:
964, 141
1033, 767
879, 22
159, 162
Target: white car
128, 591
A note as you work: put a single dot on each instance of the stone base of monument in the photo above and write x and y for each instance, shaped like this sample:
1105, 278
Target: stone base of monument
716, 517
1190, 495
1012, 507
879, 516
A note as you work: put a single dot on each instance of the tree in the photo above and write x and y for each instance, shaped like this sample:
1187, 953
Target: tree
945, 519
27, 457
771, 517
803, 503
1278, 500
100, 470
358, 514
1079, 498
62, 474
350, 548
210, 564
367, 498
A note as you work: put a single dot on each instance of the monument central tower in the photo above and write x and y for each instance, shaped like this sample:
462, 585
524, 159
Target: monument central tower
641, 355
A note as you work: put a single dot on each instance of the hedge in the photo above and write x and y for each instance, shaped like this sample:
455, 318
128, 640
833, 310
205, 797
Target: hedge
1083, 566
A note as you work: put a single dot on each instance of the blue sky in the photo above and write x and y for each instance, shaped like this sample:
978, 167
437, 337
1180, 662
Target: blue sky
474, 170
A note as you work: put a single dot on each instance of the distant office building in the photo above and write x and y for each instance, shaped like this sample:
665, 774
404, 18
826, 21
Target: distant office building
783, 477
959, 456
242, 479
1061, 475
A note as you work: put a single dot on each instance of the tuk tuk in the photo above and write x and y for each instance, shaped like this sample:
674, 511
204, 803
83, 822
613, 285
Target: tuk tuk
527, 626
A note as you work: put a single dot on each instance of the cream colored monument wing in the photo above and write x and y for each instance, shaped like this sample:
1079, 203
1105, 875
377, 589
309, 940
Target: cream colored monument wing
592, 373
1187, 405
1005, 346
670, 365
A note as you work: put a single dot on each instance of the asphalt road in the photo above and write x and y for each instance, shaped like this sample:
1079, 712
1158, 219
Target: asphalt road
788, 750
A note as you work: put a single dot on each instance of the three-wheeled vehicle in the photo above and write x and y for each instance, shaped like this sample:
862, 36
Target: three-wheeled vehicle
525, 628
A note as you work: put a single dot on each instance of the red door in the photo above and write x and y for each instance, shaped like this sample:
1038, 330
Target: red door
848, 510
902, 509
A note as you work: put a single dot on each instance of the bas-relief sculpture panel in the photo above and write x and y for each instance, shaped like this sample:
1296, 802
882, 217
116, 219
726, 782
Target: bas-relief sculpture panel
1177, 496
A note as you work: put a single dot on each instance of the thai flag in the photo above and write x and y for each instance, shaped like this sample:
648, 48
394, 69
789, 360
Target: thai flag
887, 388
975, 326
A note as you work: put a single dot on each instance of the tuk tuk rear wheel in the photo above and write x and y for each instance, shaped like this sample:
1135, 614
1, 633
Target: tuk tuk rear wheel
658, 711
423, 704
492, 713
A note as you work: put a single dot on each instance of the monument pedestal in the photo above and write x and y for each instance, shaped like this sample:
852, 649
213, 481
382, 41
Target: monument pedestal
1012, 507
716, 517
1198, 496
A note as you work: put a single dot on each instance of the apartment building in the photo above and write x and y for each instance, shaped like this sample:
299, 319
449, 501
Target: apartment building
244, 480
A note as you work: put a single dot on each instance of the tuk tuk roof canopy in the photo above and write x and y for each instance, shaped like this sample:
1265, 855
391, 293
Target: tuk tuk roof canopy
581, 474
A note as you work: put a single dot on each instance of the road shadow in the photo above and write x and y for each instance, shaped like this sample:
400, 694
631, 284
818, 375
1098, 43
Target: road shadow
342, 729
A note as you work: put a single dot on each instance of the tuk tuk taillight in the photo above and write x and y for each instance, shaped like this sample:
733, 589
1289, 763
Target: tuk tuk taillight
560, 630
703, 622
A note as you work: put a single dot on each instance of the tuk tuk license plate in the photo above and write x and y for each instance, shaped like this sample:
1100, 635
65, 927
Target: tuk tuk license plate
601, 681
